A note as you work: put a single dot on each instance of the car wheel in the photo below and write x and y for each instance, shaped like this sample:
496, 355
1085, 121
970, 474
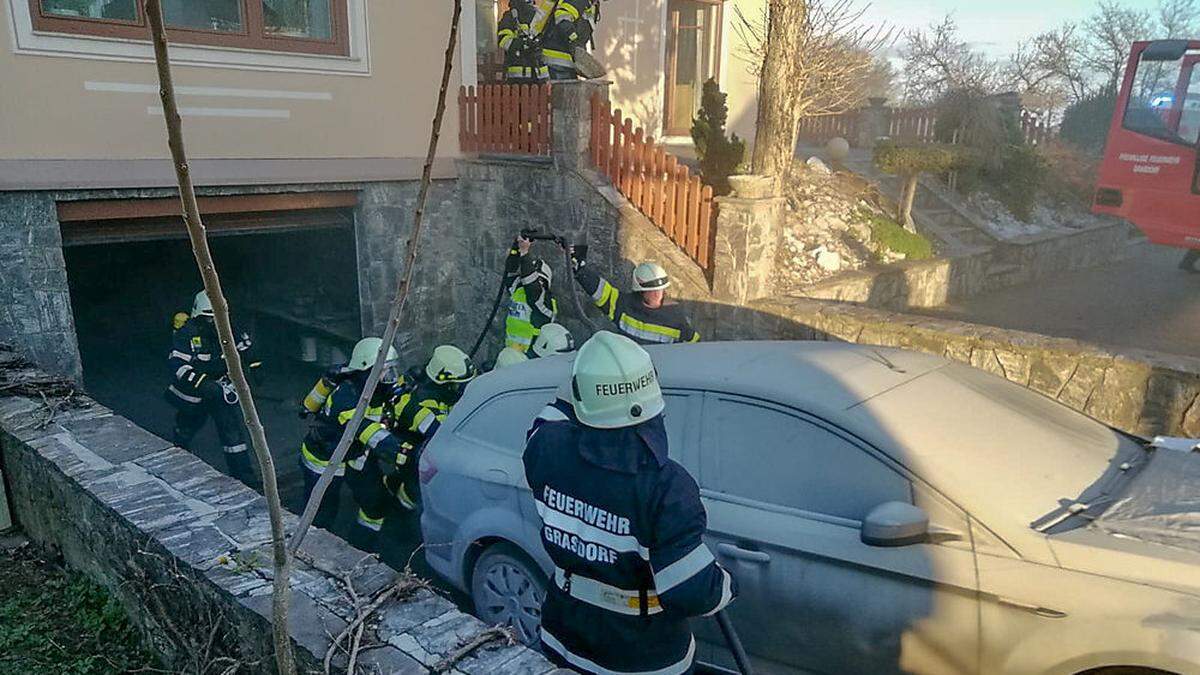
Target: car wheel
508, 589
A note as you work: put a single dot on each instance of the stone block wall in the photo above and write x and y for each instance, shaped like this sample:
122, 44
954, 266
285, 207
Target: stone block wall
930, 283
383, 226
187, 551
35, 302
1139, 392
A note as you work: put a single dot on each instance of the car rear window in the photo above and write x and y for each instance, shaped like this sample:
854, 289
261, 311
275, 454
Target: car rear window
502, 421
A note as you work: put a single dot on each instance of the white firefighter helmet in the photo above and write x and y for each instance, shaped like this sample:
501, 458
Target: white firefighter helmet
450, 365
554, 338
510, 357
650, 276
365, 352
202, 306
614, 384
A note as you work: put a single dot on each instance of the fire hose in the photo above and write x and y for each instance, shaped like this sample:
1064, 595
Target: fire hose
532, 235
735, 643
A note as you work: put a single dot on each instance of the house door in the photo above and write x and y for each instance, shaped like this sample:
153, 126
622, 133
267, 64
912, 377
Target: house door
693, 56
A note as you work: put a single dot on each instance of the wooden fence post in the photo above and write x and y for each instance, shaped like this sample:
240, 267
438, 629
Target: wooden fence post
706, 228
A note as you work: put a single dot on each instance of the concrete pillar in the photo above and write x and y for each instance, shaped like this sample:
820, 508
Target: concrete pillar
874, 122
571, 112
749, 228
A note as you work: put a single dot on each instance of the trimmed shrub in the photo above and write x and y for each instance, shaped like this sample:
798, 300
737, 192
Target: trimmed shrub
1018, 180
1085, 123
719, 155
910, 161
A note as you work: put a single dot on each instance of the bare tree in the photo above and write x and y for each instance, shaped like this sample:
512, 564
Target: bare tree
1049, 68
937, 60
1109, 33
280, 595
1178, 19
812, 57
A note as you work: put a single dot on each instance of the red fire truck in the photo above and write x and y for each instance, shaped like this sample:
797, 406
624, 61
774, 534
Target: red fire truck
1151, 170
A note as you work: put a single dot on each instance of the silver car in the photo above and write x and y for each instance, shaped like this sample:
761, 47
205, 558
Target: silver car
883, 511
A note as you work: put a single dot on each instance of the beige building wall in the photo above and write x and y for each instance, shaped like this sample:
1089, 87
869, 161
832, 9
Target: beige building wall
737, 78
55, 107
631, 42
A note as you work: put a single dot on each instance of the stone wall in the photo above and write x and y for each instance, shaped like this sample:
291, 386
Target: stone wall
382, 228
930, 283
1140, 392
186, 550
498, 196
35, 302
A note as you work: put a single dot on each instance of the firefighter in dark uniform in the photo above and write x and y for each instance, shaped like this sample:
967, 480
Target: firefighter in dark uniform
523, 62
564, 26
643, 315
418, 406
621, 522
200, 386
330, 405
531, 303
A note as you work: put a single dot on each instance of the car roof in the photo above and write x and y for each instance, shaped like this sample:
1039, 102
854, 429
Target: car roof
816, 376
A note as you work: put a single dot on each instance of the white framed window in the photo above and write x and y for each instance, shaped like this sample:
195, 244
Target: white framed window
318, 36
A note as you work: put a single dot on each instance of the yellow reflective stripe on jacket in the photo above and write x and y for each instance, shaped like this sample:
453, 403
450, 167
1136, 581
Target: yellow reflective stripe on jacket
372, 434
506, 38
420, 418
567, 10
316, 464
557, 58
695, 336
649, 331
373, 413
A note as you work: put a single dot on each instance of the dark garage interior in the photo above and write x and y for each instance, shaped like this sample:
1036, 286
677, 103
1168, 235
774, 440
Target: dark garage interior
291, 281
124, 296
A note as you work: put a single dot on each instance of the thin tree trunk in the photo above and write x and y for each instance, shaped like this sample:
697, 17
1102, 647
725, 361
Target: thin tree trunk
907, 198
775, 135
402, 288
284, 657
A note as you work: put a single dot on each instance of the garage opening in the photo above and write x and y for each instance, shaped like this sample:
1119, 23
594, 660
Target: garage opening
291, 279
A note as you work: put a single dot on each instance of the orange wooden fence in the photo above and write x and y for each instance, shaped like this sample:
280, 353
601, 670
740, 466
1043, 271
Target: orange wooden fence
504, 118
664, 190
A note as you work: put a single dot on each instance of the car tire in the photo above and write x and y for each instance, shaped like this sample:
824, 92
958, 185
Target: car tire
507, 589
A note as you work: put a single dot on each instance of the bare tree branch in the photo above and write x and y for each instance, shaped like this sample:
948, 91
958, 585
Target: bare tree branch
280, 596
404, 284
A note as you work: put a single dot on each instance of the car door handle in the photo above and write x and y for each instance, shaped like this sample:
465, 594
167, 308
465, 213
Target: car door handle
743, 554
1044, 612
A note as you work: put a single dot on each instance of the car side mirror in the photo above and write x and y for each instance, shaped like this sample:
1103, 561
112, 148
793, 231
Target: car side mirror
895, 524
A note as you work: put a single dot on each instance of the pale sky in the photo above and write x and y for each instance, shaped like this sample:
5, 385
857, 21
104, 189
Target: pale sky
995, 26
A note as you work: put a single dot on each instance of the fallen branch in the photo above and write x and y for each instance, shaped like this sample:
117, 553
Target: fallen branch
405, 283
486, 637
402, 588
280, 595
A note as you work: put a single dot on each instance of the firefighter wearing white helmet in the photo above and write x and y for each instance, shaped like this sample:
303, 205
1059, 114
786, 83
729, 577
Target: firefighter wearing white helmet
200, 387
331, 404
419, 403
509, 357
643, 314
554, 338
621, 522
